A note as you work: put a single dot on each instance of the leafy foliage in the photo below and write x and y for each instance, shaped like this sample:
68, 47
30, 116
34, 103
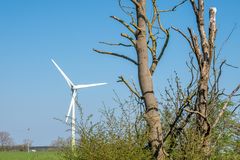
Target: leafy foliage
119, 135
122, 132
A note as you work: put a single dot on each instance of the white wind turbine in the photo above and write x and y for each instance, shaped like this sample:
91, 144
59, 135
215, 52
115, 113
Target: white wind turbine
73, 102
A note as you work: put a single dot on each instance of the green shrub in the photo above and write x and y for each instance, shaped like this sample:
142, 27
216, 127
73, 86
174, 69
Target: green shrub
119, 135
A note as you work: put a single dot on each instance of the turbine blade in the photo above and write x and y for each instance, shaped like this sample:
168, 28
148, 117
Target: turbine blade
88, 85
69, 82
71, 105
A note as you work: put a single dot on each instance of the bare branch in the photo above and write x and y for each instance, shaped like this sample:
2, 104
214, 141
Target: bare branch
196, 112
174, 7
194, 79
185, 36
158, 18
155, 61
195, 9
156, 58
129, 38
225, 106
136, 27
121, 79
165, 45
236, 107
155, 12
153, 39
205, 119
152, 52
117, 44
117, 55
220, 72
135, 87
197, 51
226, 40
136, 3
199, 13
124, 23
229, 65
123, 8
179, 114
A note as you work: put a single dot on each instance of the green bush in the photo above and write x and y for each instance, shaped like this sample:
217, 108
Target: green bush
119, 135
122, 134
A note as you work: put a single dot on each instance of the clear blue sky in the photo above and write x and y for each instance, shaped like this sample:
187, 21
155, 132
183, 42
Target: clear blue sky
33, 93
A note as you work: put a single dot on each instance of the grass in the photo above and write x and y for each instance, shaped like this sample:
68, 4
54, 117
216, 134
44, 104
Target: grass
29, 156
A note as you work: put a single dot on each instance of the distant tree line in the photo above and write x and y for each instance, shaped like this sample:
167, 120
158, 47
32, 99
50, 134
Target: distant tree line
7, 144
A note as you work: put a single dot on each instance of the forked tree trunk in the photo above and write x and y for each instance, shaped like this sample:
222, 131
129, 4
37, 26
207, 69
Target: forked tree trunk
152, 115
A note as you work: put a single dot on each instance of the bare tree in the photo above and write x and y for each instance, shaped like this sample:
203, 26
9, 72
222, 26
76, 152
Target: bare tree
203, 47
5, 140
145, 33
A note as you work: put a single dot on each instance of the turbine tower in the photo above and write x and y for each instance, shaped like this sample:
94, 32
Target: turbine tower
74, 88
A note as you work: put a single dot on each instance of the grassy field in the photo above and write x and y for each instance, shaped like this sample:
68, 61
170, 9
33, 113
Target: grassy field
29, 156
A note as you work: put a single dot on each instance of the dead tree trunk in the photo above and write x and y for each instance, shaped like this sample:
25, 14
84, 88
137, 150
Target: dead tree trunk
204, 58
203, 45
203, 48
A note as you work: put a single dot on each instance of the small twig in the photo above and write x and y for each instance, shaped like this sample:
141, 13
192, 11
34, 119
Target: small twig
191, 69
204, 117
226, 40
174, 7
217, 77
229, 65
235, 108
123, 8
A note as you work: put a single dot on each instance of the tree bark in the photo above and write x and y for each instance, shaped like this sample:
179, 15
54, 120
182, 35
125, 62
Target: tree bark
152, 115
202, 107
203, 97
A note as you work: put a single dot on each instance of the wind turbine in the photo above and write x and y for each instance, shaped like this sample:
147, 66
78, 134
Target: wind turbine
74, 88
